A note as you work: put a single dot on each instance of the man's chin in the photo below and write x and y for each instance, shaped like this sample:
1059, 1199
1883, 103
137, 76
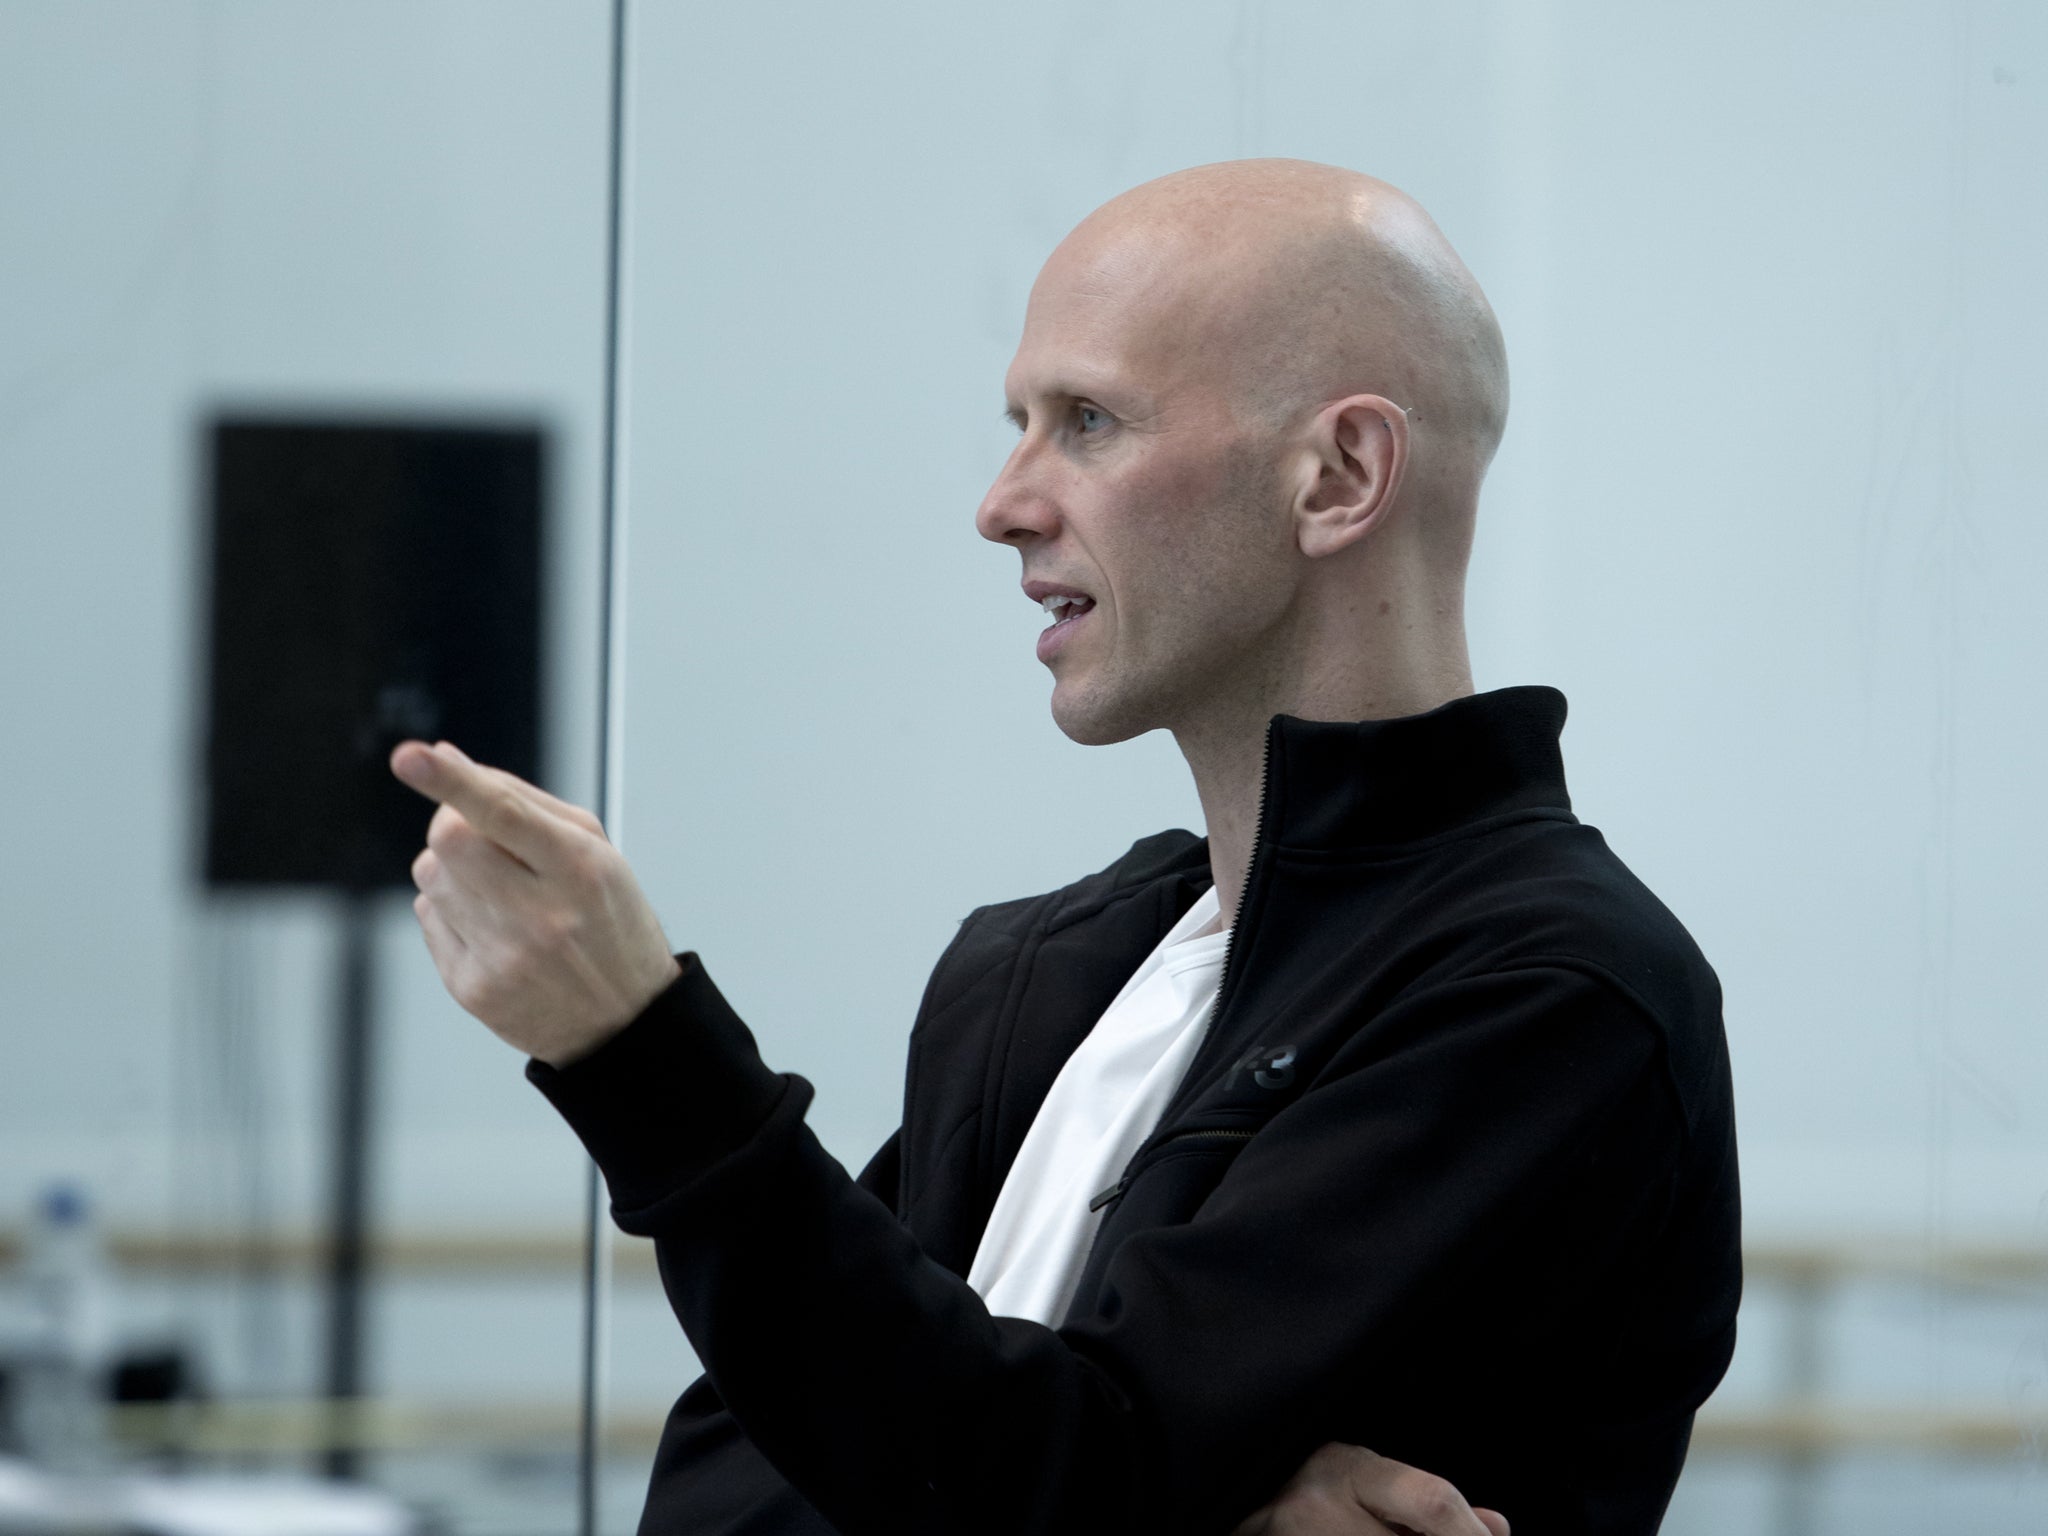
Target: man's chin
1096, 722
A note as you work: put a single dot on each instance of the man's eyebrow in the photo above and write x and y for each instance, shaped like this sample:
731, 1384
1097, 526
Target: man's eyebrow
1014, 415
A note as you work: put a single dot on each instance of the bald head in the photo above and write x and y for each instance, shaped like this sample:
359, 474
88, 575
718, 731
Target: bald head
1289, 284
1255, 402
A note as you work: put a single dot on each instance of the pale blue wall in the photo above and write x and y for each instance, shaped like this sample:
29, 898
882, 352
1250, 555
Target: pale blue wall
1768, 511
1768, 507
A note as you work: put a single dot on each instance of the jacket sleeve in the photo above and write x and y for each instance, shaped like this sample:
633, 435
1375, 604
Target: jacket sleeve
1418, 1164
708, 1478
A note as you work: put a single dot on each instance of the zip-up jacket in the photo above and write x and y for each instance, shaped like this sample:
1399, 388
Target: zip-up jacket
1452, 1176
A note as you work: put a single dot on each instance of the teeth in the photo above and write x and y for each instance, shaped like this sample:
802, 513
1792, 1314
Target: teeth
1053, 605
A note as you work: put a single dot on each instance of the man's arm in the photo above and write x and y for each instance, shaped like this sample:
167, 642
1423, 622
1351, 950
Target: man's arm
706, 1465
1343, 1250
878, 1383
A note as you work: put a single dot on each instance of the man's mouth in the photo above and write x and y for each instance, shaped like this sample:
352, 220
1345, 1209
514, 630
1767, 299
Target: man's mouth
1065, 608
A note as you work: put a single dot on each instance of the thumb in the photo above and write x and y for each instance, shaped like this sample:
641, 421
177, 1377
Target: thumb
1495, 1522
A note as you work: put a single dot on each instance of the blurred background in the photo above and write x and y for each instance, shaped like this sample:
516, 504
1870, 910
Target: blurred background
1769, 512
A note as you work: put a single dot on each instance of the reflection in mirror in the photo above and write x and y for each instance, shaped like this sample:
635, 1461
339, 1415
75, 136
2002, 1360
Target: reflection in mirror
370, 583
300, 414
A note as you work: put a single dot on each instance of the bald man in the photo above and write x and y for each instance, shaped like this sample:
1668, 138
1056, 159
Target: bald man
1393, 1114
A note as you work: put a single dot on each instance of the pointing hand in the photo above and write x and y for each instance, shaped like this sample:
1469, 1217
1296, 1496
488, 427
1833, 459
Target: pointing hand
534, 920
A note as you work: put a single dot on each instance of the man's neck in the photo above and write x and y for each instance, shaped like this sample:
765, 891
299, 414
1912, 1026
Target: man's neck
1227, 756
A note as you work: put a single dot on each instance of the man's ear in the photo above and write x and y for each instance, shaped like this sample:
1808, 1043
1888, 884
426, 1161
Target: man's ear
1354, 459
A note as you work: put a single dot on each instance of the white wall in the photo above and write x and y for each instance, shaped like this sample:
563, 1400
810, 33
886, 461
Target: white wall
372, 207
1765, 509
1768, 507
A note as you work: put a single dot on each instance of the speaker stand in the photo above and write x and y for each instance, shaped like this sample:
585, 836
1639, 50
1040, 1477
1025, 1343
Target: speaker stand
349, 1163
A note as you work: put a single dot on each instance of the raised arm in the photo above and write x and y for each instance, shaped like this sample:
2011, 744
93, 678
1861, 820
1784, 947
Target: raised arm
1324, 1290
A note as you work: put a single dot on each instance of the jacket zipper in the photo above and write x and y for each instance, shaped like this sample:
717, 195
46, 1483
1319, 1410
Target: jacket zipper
1115, 1191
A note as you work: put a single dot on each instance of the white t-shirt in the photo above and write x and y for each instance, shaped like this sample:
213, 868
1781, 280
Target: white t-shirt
1102, 1106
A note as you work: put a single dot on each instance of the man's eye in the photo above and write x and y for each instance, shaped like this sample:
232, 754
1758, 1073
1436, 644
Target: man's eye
1091, 417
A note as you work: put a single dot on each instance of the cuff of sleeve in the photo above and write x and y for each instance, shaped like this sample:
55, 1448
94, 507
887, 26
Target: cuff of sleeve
680, 1087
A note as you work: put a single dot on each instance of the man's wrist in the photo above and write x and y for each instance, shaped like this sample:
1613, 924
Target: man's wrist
680, 1086
581, 1044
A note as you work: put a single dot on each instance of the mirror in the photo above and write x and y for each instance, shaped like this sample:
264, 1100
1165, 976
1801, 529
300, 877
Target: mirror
384, 214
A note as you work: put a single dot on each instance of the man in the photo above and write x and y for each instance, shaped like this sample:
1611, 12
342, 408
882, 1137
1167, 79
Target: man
1394, 1114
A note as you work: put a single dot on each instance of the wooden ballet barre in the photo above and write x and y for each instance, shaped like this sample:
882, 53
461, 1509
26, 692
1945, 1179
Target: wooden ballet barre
1819, 1429
398, 1253
1805, 1265
299, 1427
1968, 1265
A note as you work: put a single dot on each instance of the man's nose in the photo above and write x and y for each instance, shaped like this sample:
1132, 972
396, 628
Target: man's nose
1014, 506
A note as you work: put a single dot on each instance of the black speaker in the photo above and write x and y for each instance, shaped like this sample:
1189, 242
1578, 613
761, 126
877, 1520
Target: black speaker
371, 581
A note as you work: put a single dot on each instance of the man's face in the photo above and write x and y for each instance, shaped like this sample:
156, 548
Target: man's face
1135, 486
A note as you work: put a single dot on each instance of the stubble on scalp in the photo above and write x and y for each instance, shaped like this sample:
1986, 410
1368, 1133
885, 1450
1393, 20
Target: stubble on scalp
1302, 283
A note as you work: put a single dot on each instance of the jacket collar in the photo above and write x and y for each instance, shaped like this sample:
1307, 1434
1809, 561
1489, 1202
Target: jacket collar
1371, 783
1362, 784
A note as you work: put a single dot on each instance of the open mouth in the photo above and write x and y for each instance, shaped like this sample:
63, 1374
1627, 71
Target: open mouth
1065, 609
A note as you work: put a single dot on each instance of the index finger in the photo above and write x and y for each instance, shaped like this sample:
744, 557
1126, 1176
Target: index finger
575, 815
489, 804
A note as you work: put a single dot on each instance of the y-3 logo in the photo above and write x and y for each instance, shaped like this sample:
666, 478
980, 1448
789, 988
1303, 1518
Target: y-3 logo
1271, 1066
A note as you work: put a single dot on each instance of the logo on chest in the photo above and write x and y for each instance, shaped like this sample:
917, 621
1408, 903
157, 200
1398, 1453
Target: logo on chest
1270, 1066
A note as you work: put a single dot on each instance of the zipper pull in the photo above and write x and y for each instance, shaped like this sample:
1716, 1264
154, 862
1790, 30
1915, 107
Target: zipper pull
1107, 1195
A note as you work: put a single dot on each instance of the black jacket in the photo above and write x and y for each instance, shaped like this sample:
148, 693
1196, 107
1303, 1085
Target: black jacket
1452, 1176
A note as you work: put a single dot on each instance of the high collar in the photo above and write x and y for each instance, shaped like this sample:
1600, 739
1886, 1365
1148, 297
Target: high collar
1370, 783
